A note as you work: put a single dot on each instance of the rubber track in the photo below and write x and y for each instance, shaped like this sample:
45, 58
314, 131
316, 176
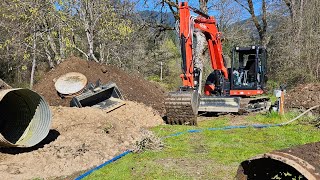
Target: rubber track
179, 109
258, 104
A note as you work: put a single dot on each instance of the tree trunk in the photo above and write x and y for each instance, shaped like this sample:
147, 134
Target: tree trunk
50, 62
203, 6
33, 58
102, 54
62, 46
290, 5
51, 42
261, 28
300, 19
89, 34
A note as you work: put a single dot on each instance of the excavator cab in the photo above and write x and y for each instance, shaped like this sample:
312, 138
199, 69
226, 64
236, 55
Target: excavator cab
248, 70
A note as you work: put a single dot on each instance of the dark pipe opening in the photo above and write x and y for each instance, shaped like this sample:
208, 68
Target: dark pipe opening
25, 118
267, 168
16, 113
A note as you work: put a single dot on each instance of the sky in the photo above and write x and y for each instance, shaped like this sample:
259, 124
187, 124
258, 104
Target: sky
152, 5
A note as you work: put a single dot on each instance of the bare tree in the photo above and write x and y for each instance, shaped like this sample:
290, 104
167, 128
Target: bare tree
294, 47
260, 26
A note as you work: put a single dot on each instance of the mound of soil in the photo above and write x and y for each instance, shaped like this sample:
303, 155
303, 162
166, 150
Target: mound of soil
303, 96
81, 138
307, 152
133, 86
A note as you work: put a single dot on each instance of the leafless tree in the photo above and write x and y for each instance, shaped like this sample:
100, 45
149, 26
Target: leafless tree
260, 26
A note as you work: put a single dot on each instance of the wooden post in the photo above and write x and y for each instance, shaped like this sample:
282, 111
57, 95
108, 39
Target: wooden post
281, 111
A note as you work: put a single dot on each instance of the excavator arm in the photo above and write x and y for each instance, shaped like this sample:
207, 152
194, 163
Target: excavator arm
182, 106
207, 25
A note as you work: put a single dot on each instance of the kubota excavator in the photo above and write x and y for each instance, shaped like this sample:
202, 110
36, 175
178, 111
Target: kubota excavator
226, 89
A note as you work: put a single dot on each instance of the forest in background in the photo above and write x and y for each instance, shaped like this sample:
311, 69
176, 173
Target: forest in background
137, 35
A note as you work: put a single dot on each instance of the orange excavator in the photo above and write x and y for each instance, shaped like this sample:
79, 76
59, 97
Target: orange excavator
233, 89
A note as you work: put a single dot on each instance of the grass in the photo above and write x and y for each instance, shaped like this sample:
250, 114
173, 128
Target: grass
209, 154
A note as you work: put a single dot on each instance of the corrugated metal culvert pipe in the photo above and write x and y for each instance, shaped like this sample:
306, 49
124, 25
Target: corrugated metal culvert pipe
25, 118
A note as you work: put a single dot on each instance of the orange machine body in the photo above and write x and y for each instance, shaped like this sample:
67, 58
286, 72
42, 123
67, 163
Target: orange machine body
209, 28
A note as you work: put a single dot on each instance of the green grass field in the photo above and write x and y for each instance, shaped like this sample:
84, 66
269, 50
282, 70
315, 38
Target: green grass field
209, 154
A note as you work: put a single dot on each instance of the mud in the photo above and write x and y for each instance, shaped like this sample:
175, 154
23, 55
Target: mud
79, 140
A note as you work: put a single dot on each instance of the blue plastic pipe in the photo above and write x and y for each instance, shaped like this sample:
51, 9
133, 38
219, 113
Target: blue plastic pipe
102, 165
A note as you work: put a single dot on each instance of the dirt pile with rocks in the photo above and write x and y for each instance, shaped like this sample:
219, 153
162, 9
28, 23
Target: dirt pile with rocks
303, 96
80, 138
133, 86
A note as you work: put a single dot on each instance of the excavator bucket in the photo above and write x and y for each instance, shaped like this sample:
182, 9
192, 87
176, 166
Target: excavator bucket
107, 97
219, 104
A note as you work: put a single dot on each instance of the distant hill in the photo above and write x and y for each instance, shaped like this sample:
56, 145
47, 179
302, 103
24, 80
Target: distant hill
272, 23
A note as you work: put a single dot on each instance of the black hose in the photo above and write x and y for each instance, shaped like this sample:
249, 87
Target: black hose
183, 55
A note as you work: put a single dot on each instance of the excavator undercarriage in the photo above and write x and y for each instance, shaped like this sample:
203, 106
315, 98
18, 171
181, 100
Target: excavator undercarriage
182, 107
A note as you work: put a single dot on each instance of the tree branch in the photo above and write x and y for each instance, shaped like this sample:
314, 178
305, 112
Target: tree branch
264, 15
171, 6
290, 7
242, 5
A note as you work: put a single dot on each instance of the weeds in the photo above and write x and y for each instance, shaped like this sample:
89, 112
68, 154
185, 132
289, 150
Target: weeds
148, 141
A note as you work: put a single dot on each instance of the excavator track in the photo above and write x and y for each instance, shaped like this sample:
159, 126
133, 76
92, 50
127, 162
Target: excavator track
255, 104
182, 107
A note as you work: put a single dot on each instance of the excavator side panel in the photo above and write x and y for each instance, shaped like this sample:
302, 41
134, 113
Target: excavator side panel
219, 104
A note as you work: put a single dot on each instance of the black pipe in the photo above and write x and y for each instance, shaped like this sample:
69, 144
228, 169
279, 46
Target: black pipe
183, 54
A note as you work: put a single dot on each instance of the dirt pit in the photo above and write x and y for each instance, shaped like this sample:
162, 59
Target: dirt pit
80, 138
132, 85
303, 96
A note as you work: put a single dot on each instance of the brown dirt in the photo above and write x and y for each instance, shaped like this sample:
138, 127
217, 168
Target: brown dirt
303, 96
81, 138
308, 152
133, 86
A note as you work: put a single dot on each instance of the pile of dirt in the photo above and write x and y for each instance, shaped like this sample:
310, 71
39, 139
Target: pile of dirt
303, 96
133, 86
81, 138
308, 153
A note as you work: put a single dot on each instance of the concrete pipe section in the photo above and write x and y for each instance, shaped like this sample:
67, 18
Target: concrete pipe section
25, 118
301, 162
